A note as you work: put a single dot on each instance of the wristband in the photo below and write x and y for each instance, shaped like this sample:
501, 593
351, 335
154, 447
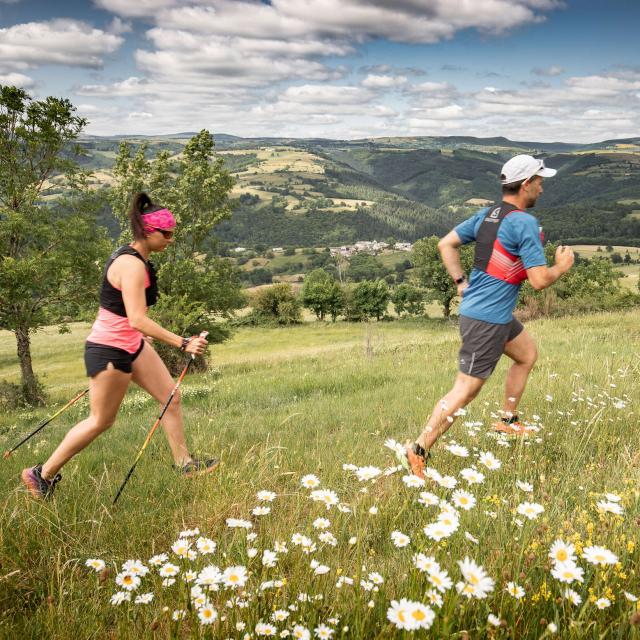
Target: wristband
461, 279
185, 342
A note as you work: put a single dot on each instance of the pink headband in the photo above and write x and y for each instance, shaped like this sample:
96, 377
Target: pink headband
162, 219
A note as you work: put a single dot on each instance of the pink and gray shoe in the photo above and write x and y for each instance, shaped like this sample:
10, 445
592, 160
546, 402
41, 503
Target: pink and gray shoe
38, 486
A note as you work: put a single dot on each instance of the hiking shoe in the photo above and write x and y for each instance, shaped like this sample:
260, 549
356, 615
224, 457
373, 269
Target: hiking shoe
197, 467
414, 459
511, 428
38, 486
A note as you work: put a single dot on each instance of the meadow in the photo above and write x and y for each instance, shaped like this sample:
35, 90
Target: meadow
309, 528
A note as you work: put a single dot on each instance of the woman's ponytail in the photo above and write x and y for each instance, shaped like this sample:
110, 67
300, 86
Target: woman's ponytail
140, 203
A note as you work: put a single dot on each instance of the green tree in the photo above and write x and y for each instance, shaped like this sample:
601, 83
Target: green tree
278, 303
49, 251
322, 294
197, 287
363, 266
408, 299
367, 299
432, 274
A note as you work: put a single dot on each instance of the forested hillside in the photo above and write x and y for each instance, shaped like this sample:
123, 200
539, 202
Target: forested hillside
329, 192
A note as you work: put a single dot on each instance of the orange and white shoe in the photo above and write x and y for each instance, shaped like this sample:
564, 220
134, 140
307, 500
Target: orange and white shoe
512, 428
414, 459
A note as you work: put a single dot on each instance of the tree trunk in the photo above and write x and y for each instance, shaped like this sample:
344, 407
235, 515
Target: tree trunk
30, 388
447, 307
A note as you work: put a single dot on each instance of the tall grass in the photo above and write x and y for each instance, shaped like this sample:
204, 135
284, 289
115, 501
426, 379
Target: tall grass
282, 403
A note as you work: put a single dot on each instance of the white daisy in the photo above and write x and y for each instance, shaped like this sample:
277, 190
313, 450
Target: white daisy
207, 614
119, 597
572, 596
567, 572
266, 496
599, 555
515, 590
238, 523
96, 564
400, 540
413, 482
321, 523
367, 473
269, 558
610, 507
427, 564
323, 632
159, 559
440, 580
168, 570
428, 499
448, 482
144, 598
434, 598
477, 583
128, 581
463, 499
234, 576
181, 547
328, 538
530, 510
458, 450
205, 545
489, 460
310, 481
265, 629
328, 497
261, 511
603, 603
494, 620
524, 486
472, 476
301, 633
562, 551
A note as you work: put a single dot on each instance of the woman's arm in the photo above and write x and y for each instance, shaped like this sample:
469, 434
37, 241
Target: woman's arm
131, 273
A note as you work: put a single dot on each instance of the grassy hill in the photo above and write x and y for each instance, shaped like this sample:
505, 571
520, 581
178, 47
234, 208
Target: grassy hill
315, 192
280, 404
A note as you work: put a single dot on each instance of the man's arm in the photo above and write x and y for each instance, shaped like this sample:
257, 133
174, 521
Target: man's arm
543, 276
449, 248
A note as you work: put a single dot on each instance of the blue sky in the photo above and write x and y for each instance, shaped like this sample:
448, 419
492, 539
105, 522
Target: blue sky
542, 70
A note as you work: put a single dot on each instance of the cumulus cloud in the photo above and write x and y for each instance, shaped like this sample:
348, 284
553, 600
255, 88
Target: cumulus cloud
383, 82
62, 41
16, 80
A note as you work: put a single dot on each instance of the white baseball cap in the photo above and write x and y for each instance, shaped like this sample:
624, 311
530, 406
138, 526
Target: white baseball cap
523, 167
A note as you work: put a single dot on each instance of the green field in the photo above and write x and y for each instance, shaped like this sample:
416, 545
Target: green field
282, 403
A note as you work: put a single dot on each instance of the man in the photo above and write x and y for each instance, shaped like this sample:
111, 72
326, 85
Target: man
508, 251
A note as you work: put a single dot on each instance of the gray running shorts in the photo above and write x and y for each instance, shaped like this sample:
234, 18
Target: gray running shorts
483, 345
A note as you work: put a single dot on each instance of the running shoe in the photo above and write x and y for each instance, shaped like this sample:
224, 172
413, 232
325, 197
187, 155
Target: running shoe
512, 428
197, 467
414, 459
38, 486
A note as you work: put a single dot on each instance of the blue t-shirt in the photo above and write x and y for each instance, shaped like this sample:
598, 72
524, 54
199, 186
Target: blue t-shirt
487, 298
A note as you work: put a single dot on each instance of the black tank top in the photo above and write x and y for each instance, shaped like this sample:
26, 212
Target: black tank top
111, 298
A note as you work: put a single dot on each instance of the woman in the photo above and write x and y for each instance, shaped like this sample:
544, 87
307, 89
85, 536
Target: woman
118, 349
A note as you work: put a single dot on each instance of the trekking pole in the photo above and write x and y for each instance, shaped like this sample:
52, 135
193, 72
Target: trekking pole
157, 422
42, 425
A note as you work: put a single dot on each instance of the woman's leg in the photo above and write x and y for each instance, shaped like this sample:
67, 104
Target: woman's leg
106, 391
150, 373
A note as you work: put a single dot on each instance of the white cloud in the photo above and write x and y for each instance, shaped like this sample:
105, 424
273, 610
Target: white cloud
132, 86
61, 41
16, 80
383, 82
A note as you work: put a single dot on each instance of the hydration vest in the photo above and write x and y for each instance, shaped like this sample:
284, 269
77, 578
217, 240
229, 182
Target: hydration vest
490, 255
111, 298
